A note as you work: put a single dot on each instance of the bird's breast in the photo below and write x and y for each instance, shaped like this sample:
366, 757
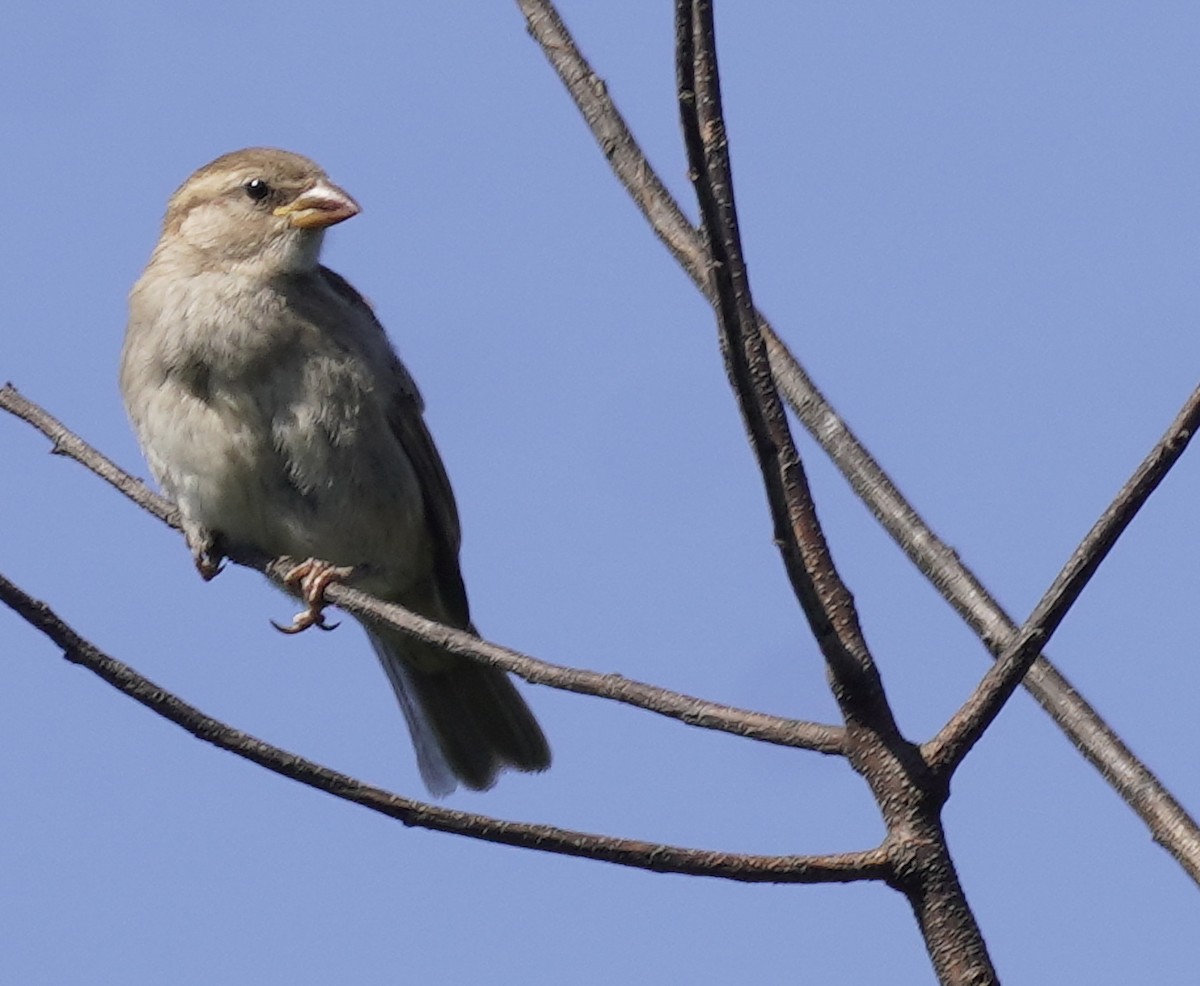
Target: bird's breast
265, 430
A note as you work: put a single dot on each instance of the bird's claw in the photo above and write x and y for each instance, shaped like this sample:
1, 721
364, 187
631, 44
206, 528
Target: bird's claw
209, 567
302, 621
311, 578
206, 551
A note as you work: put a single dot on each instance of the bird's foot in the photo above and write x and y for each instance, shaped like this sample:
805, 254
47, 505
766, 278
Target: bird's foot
311, 578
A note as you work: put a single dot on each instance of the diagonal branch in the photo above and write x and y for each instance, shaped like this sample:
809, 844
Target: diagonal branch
872, 864
778, 730
1167, 820
67, 443
955, 740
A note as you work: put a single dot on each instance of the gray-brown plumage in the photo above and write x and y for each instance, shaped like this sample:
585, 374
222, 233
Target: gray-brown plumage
273, 410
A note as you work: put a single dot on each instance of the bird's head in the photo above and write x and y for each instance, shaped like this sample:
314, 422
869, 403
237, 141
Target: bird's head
258, 207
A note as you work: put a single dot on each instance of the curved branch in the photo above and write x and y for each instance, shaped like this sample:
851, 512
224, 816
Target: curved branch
1167, 820
778, 730
818, 737
660, 858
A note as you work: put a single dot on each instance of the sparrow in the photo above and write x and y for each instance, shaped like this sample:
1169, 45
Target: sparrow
271, 407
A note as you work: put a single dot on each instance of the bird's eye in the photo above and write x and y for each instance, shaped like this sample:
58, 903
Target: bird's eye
257, 189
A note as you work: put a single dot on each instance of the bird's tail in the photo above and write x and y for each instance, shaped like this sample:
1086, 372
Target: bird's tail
467, 720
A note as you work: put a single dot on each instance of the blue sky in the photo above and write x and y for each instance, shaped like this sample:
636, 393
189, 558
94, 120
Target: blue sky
979, 228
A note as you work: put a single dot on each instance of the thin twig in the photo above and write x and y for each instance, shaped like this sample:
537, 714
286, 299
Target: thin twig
947, 750
660, 858
1167, 820
778, 730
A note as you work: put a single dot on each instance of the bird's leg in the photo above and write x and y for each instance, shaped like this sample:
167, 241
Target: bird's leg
206, 550
311, 578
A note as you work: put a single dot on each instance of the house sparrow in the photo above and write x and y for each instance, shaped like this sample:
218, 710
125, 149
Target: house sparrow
273, 410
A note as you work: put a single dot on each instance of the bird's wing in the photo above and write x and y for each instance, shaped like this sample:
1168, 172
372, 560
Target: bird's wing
405, 415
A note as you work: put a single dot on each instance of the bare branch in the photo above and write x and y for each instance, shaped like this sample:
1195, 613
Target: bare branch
947, 750
817, 737
67, 443
910, 798
778, 730
616, 141
660, 858
823, 596
1167, 820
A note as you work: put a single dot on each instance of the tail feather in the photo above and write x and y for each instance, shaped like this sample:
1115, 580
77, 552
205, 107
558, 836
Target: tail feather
468, 722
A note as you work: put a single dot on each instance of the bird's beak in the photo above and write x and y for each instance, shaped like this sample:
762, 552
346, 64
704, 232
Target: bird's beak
322, 205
